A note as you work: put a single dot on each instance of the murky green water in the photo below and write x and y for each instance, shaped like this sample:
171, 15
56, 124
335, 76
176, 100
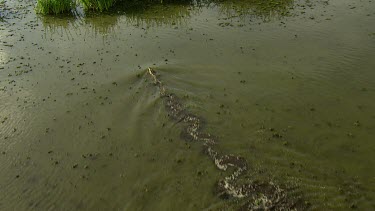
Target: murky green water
289, 87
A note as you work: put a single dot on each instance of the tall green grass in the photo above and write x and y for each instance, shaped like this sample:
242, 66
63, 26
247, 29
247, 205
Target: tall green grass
55, 6
98, 5
63, 6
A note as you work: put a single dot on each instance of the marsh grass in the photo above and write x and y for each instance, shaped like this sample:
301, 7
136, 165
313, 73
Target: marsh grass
98, 5
264, 8
55, 6
63, 6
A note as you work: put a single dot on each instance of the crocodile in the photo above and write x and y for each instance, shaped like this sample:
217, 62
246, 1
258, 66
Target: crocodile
256, 195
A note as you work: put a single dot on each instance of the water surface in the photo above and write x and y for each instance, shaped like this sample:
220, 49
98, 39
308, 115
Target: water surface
289, 87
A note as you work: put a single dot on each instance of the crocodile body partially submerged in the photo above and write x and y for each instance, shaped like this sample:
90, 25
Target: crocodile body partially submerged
255, 195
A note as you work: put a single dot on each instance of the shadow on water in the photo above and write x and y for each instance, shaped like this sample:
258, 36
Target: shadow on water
163, 14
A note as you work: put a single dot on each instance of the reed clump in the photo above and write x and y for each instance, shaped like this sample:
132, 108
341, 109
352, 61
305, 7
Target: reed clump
98, 5
263, 7
55, 6
63, 6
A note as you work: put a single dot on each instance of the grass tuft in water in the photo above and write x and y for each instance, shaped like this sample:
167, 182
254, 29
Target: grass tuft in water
54, 6
98, 5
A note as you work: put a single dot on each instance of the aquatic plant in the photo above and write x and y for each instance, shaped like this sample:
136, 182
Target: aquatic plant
55, 6
63, 6
98, 5
258, 7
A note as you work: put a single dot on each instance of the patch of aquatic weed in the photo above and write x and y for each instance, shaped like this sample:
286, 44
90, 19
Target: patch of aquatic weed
55, 6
